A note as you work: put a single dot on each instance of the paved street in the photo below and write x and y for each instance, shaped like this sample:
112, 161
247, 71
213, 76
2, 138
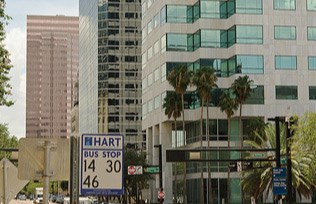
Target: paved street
14, 201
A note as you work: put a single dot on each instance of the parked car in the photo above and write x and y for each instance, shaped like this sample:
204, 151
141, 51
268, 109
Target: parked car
22, 197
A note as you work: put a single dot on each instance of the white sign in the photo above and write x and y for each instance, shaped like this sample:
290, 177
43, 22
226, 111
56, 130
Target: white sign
9, 180
101, 164
31, 157
134, 170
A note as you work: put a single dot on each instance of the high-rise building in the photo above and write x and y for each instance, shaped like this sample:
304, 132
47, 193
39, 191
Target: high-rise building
52, 64
110, 68
271, 41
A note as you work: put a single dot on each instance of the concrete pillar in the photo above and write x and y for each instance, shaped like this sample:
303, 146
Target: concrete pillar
166, 142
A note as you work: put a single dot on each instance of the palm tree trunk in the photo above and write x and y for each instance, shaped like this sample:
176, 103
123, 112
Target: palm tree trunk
184, 164
228, 170
175, 167
210, 201
240, 128
201, 137
241, 144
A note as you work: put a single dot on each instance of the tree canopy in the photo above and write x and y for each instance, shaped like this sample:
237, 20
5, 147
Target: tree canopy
6, 141
5, 62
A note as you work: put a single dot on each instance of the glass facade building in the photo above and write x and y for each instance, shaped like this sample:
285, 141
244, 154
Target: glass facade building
52, 64
271, 41
110, 68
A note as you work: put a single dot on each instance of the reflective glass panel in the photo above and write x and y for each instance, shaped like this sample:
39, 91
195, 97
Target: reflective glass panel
286, 92
285, 62
285, 32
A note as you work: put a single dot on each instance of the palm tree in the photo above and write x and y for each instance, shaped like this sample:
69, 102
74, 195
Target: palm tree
228, 105
205, 80
242, 89
258, 179
172, 106
180, 78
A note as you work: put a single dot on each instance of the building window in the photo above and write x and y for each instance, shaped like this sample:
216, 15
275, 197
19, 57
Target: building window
156, 47
177, 14
150, 27
285, 62
311, 5
156, 21
157, 101
311, 33
163, 16
249, 34
144, 109
150, 106
144, 33
157, 74
284, 4
144, 84
284, 32
178, 42
163, 96
163, 72
312, 63
163, 44
210, 38
312, 92
286, 92
249, 64
249, 7
150, 53
150, 79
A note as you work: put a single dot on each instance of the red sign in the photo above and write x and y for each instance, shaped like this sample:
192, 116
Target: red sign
131, 170
161, 195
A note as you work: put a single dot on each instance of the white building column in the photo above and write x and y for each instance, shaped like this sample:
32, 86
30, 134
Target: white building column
166, 142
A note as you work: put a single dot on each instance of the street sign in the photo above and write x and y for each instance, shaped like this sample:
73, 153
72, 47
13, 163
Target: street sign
258, 154
279, 181
161, 195
31, 157
151, 169
101, 164
283, 160
134, 170
9, 180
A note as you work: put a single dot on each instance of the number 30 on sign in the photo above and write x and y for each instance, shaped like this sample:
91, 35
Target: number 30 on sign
101, 169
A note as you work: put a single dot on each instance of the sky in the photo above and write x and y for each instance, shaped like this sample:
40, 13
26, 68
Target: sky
15, 42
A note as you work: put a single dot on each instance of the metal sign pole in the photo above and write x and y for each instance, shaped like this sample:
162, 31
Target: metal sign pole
47, 173
5, 182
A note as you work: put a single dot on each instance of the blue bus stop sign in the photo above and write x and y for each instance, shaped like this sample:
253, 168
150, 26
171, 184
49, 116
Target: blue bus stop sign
279, 181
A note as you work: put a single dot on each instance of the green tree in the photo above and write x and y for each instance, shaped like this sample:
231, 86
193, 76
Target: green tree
172, 105
180, 78
133, 184
5, 62
242, 89
228, 104
304, 141
205, 80
6, 141
258, 179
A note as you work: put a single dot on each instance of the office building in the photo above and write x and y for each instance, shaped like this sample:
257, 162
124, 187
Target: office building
52, 64
271, 41
110, 69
